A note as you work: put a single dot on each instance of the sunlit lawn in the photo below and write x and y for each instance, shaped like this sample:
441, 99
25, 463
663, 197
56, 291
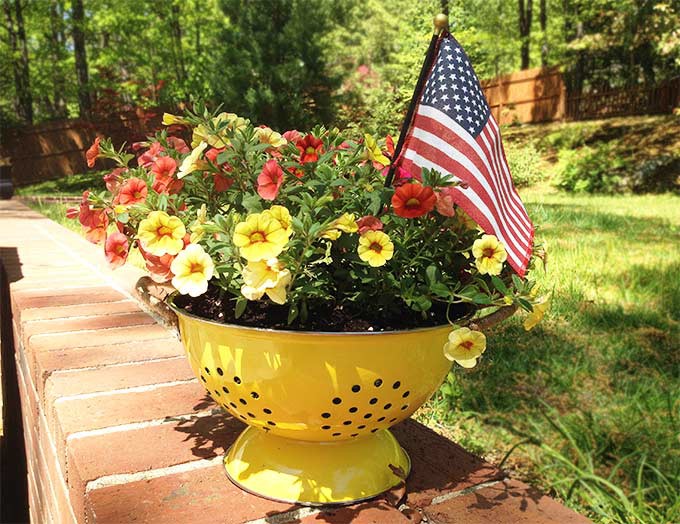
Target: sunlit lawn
592, 395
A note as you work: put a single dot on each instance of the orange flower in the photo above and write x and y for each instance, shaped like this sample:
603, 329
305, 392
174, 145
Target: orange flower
92, 153
413, 200
158, 267
164, 166
269, 180
95, 231
310, 148
133, 191
445, 201
116, 249
369, 223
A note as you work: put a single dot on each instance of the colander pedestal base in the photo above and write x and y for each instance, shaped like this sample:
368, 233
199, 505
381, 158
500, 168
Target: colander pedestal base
316, 473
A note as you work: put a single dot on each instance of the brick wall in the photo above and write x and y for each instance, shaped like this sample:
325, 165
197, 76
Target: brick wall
118, 430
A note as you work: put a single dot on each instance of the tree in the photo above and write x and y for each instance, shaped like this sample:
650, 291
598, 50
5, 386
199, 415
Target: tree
57, 40
525, 15
78, 33
544, 32
16, 32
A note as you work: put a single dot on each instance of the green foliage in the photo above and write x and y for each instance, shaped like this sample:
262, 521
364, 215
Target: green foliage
591, 170
526, 164
72, 185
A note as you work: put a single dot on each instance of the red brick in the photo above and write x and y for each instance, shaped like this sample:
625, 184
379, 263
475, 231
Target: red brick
99, 337
438, 465
79, 310
75, 382
203, 494
78, 358
372, 512
83, 414
508, 502
96, 321
91, 295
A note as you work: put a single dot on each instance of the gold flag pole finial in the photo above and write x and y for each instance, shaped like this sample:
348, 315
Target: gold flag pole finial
441, 23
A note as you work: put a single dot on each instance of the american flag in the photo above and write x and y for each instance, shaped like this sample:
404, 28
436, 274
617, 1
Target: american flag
454, 133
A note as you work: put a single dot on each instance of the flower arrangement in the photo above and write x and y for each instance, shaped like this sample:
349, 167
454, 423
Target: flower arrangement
298, 231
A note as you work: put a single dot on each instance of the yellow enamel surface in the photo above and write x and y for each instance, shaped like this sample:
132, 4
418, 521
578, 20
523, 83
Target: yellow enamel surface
326, 389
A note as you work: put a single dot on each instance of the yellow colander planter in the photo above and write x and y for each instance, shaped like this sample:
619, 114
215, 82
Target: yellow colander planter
318, 405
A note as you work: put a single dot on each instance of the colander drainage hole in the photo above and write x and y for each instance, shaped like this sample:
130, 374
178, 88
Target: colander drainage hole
325, 427
267, 411
242, 416
406, 394
271, 423
388, 406
337, 400
233, 405
203, 378
254, 395
237, 380
356, 388
347, 423
354, 435
207, 370
220, 372
250, 415
381, 419
361, 427
404, 407
378, 383
373, 401
326, 415
374, 430
224, 388
396, 385
243, 401
353, 410
336, 434
368, 415
217, 392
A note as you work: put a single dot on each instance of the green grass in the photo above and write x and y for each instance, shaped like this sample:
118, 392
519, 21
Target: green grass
72, 185
588, 403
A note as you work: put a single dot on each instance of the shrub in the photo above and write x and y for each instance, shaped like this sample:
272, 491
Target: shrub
525, 164
592, 170
656, 175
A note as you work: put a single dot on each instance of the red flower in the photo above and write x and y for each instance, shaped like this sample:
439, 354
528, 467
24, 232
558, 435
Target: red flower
222, 182
92, 153
413, 200
133, 191
401, 176
310, 148
445, 201
292, 136
178, 145
116, 249
213, 153
164, 166
369, 223
269, 180
149, 157
389, 142
168, 185
295, 171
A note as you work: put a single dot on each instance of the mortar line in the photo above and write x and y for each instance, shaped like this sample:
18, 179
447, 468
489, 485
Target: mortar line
124, 391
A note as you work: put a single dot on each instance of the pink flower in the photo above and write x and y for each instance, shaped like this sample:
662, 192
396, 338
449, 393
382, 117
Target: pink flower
178, 145
164, 166
269, 180
133, 191
292, 136
116, 249
149, 157
369, 223
401, 176
445, 201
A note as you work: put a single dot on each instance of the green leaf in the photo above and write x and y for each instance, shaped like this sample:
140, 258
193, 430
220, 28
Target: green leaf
293, 313
240, 307
432, 275
500, 285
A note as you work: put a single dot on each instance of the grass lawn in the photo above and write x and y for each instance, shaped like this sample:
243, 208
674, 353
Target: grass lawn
588, 403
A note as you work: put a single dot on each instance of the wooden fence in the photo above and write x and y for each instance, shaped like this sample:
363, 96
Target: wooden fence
530, 96
54, 149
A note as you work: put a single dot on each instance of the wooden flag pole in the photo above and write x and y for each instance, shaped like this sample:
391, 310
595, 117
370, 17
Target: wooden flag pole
441, 23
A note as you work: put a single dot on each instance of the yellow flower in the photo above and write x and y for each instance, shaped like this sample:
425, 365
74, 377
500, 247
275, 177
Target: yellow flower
267, 135
465, 346
489, 255
193, 268
193, 162
540, 307
375, 248
265, 277
120, 209
260, 237
169, 119
281, 214
345, 224
161, 234
196, 228
219, 138
373, 152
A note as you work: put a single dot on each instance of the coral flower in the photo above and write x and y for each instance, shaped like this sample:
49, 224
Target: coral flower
147, 158
269, 180
213, 153
310, 148
222, 182
265, 277
193, 268
192, 162
540, 307
260, 237
369, 223
158, 267
164, 166
292, 136
92, 153
95, 232
178, 145
374, 154
445, 202
113, 179
133, 191
465, 346
413, 200
159, 233
489, 255
267, 135
281, 214
375, 248
116, 249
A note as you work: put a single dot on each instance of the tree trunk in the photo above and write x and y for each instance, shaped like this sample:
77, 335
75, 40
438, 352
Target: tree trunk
445, 7
78, 33
176, 30
525, 14
544, 33
23, 103
56, 39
